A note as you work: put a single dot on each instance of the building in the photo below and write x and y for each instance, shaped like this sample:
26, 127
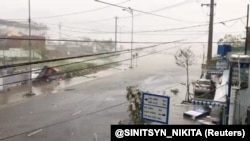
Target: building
231, 102
14, 48
16, 36
240, 90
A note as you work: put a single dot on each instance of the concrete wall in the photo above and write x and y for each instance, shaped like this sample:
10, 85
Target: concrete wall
242, 103
10, 81
1, 85
16, 78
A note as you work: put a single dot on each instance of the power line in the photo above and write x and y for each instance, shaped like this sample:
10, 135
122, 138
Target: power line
119, 42
71, 27
172, 6
170, 29
97, 41
91, 113
84, 41
194, 26
201, 33
73, 13
144, 12
62, 65
74, 57
97, 66
96, 21
58, 59
136, 32
68, 120
142, 48
55, 31
157, 10
167, 7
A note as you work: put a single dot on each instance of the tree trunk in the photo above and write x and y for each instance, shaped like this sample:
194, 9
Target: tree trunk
187, 69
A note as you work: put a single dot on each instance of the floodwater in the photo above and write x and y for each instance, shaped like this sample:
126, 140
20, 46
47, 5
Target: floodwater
156, 74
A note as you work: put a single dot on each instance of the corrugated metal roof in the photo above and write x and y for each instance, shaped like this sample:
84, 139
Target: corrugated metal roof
222, 89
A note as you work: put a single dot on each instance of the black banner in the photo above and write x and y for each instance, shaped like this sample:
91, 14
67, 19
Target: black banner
175, 132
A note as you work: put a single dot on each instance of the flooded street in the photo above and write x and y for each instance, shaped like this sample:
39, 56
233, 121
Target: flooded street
95, 102
71, 69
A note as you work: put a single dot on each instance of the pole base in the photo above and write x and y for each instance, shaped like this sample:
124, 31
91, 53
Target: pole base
29, 94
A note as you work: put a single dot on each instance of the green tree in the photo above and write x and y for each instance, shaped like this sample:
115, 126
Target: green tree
233, 40
134, 97
36, 47
185, 58
104, 46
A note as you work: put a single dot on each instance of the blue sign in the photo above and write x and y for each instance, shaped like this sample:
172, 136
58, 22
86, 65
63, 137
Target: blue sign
155, 108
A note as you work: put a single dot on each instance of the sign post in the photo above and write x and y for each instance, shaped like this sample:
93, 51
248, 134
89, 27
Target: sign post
155, 108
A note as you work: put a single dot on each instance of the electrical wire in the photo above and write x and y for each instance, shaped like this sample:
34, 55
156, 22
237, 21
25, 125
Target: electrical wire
232, 23
160, 30
194, 26
172, 6
62, 65
74, 13
95, 21
74, 57
61, 122
167, 8
139, 49
144, 12
68, 120
55, 31
242, 22
85, 61
170, 29
71, 27
96, 41
83, 115
97, 66
157, 10
53, 60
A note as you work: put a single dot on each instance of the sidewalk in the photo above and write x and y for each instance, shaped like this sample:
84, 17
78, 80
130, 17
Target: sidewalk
17, 94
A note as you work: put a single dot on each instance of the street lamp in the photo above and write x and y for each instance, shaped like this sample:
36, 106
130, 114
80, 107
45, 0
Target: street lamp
120, 38
130, 10
30, 93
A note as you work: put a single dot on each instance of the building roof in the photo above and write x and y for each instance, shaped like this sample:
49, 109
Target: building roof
34, 26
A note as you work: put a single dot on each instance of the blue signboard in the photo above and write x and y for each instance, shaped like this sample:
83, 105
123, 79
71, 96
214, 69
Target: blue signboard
155, 108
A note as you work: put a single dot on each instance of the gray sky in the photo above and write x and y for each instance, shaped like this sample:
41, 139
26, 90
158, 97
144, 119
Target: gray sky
85, 20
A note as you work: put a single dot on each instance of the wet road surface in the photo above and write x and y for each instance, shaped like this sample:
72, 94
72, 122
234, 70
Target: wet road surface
85, 111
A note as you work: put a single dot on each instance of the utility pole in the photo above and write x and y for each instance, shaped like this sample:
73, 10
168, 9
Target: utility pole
131, 11
60, 27
116, 33
246, 40
30, 93
228, 97
210, 34
132, 32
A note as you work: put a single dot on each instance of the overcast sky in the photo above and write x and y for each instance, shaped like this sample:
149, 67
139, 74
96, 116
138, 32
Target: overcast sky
84, 18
